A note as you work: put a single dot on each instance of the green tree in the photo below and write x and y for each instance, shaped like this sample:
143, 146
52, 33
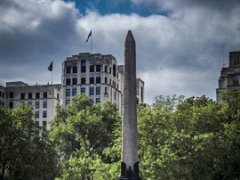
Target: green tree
195, 138
87, 139
23, 156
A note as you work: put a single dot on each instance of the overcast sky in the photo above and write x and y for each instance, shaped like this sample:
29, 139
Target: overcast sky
181, 44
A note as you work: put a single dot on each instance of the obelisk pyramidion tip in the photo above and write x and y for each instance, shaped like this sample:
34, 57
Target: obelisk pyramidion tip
130, 36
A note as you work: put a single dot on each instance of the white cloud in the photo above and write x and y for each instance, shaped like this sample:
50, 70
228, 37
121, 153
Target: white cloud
187, 44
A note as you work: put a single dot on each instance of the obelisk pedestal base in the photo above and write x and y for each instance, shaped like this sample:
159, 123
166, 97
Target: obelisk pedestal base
129, 173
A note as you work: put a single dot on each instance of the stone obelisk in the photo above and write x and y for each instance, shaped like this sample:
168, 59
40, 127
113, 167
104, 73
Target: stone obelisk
129, 164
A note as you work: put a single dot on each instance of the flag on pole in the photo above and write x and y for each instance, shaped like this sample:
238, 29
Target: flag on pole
89, 35
50, 67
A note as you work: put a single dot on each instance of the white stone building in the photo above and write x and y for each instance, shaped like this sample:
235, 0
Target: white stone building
2, 96
230, 76
95, 75
42, 98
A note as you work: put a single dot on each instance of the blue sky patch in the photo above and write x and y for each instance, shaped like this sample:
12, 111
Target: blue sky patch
104, 7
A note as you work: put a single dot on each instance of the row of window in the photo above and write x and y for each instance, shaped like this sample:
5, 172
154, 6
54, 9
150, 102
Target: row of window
73, 91
92, 68
2, 94
44, 123
37, 104
30, 95
236, 61
37, 114
97, 100
92, 80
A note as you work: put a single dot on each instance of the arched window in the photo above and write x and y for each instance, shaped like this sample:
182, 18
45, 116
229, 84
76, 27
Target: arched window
83, 66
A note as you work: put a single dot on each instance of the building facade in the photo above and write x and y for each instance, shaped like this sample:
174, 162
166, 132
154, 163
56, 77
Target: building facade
95, 75
140, 91
230, 76
2, 96
42, 98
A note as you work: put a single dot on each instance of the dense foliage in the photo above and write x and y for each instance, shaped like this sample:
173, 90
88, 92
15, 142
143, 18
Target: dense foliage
87, 138
22, 154
194, 138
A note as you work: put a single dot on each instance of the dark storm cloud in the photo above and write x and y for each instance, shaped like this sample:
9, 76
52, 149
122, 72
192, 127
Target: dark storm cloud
33, 33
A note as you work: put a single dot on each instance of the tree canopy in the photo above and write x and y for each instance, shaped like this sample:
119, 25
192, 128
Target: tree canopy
22, 154
179, 138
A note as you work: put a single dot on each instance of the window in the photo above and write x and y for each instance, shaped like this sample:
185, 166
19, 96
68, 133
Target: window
98, 68
67, 102
36, 114
68, 81
44, 115
3, 94
91, 91
83, 90
29, 95
74, 69
44, 123
83, 66
30, 103
98, 90
37, 104
68, 70
10, 105
11, 95
114, 70
68, 92
83, 80
37, 95
0, 93
57, 95
105, 80
45, 94
22, 95
91, 80
235, 82
92, 68
106, 90
98, 80
105, 68
74, 81
98, 100
37, 123
74, 91
110, 70
44, 104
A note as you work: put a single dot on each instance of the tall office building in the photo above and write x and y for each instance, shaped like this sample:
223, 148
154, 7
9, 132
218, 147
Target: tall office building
96, 75
42, 98
230, 76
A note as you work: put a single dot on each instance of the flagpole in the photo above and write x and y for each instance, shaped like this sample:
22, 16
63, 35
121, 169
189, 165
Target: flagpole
52, 77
